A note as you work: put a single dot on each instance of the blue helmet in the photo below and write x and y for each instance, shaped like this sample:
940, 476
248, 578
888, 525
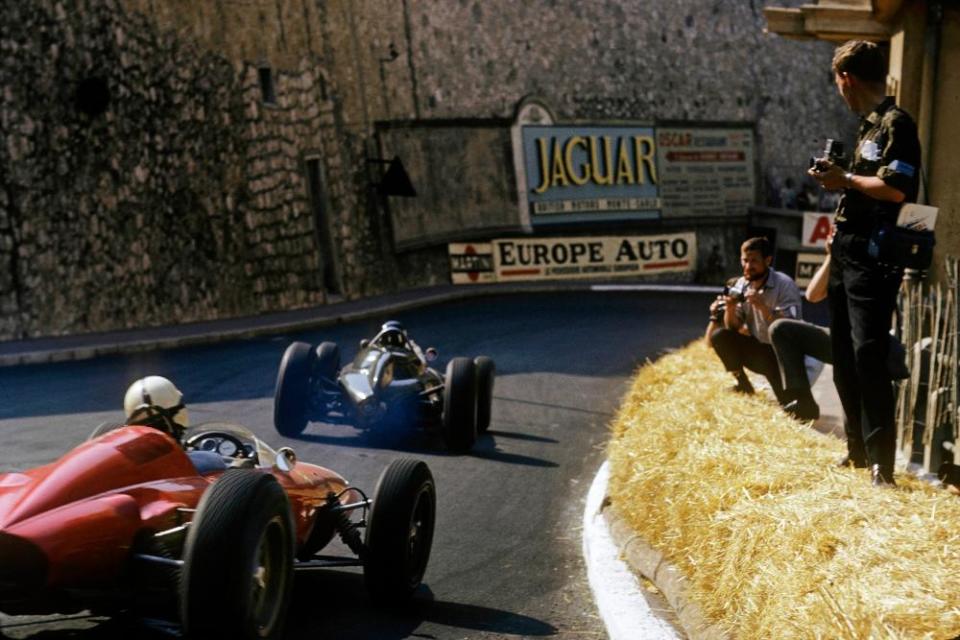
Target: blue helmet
392, 334
392, 325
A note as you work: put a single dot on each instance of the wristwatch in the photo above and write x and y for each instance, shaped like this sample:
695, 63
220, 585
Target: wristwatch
848, 176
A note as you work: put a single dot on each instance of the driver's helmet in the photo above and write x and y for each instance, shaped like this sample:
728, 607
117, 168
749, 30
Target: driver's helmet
155, 402
392, 334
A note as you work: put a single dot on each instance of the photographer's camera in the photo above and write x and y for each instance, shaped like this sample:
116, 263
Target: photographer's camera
832, 155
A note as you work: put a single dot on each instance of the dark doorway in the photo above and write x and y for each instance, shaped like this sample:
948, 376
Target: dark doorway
331, 279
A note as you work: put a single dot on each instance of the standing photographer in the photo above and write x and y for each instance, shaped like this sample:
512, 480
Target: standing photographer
884, 172
754, 301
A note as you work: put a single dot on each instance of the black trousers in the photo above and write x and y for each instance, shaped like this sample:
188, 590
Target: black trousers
792, 340
862, 296
737, 351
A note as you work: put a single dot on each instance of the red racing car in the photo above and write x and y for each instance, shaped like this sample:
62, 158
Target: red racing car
209, 533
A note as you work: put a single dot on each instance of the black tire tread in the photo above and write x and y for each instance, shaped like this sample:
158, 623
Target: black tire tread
328, 360
486, 373
211, 574
460, 405
293, 385
400, 483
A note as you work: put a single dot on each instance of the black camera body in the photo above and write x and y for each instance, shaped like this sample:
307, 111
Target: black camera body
737, 290
832, 154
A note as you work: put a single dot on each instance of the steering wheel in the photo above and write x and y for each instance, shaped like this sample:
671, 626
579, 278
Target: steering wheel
226, 444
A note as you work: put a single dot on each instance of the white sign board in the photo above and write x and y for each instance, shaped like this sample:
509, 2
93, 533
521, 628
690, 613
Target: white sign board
706, 172
471, 263
593, 257
807, 265
816, 229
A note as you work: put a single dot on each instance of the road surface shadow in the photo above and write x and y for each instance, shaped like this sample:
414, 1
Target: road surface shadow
344, 611
425, 443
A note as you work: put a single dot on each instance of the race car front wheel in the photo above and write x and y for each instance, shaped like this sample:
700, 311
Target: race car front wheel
237, 571
400, 531
291, 395
460, 405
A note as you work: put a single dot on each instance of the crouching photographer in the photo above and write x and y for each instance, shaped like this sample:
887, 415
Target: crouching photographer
760, 296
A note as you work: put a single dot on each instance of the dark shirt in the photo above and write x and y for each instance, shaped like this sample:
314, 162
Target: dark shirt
887, 147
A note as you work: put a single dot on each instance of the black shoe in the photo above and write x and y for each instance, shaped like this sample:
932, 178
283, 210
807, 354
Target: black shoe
881, 476
848, 460
803, 409
743, 384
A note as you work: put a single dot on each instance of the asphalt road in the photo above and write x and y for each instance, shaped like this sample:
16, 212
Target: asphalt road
506, 559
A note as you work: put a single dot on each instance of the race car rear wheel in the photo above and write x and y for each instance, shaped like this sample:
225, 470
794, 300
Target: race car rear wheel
400, 530
485, 374
460, 405
327, 364
293, 388
238, 559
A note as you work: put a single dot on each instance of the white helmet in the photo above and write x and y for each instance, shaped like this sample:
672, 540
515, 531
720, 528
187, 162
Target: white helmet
155, 402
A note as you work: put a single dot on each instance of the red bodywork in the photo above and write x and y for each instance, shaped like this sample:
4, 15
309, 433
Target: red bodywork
69, 529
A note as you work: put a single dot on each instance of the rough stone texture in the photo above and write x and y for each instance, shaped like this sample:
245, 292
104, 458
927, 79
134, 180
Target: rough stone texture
187, 199
645, 61
184, 200
591, 62
464, 179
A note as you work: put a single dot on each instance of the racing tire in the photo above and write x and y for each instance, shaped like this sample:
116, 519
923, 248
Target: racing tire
104, 427
460, 405
292, 392
327, 364
237, 571
400, 531
486, 371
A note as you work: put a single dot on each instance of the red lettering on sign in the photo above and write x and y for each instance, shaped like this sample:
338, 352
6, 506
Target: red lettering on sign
665, 265
821, 231
473, 275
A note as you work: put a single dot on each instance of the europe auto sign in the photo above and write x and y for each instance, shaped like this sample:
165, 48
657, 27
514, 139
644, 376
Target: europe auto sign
601, 173
597, 257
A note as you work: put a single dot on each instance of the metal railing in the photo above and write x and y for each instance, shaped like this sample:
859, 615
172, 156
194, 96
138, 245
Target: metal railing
927, 419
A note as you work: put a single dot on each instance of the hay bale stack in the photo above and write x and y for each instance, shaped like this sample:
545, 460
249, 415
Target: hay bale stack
775, 541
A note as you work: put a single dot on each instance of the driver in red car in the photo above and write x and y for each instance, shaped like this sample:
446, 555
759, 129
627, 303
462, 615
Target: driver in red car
156, 402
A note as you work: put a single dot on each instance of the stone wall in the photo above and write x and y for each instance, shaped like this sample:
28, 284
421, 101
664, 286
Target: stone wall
645, 61
591, 62
144, 180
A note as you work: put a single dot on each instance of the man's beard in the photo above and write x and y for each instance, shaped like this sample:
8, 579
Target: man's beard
757, 276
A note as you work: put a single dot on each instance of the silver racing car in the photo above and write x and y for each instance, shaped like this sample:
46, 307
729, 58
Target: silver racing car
389, 383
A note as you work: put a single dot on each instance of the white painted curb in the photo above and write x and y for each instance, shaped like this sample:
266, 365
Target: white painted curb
621, 604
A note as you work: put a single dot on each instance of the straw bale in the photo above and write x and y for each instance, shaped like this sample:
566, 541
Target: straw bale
775, 541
